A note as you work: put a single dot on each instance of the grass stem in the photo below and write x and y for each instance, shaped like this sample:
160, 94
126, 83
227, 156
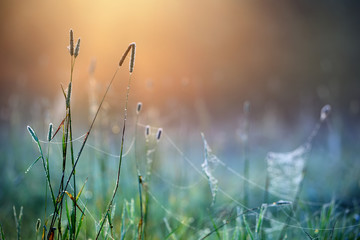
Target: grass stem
120, 159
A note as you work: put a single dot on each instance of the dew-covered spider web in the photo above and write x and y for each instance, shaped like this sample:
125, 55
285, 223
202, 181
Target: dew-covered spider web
286, 171
208, 166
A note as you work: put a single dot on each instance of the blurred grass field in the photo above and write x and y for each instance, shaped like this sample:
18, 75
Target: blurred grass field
190, 192
245, 150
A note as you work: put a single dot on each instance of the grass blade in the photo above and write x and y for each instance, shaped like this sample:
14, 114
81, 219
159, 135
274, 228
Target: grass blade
80, 223
28, 169
247, 227
259, 221
73, 199
215, 227
79, 193
2, 233
171, 232
67, 215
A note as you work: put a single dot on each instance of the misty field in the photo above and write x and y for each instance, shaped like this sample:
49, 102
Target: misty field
179, 120
128, 178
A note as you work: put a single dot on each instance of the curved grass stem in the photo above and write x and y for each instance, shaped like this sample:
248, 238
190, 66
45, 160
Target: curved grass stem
120, 161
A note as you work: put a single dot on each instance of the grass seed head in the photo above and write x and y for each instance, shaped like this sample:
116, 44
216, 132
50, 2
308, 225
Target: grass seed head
38, 225
325, 112
124, 56
158, 134
33, 134
68, 96
71, 47
138, 108
50, 131
131, 47
147, 131
77, 49
132, 58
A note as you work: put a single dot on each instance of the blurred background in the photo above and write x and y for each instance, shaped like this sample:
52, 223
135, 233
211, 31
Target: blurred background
197, 62
286, 58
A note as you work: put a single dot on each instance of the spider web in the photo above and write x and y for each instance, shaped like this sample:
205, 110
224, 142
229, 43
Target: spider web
285, 171
208, 166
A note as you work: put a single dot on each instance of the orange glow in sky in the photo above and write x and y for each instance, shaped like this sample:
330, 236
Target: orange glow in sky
224, 52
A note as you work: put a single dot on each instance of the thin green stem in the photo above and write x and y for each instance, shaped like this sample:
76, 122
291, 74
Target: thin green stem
139, 182
73, 217
47, 174
65, 138
73, 161
147, 203
120, 159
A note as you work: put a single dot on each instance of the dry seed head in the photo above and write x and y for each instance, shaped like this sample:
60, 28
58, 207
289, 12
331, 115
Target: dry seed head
50, 131
325, 112
138, 108
77, 49
38, 225
33, 134
147, 131
158, 134
131, 47
124, 56
68, 96
132, 58
71, 47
